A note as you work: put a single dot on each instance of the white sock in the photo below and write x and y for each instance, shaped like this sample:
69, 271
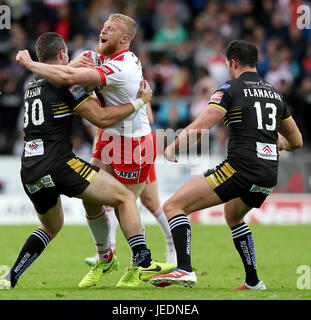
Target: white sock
99, 229
113, 222
162, 221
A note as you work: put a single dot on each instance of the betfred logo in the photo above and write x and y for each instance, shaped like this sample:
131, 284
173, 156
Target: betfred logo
126, 174
267, 150
33, 146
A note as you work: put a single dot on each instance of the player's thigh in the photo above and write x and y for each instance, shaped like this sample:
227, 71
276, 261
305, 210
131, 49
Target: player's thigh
235, 210
136, 188
105, 167
195, 195
105, 190
53, 219
150, 197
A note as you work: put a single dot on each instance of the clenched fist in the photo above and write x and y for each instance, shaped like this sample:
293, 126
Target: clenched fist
23, 58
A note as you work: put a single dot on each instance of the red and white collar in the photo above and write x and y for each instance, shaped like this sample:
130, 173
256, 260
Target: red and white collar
116, 56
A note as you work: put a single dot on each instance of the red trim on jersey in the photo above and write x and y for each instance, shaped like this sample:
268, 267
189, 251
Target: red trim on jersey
118, 53
121, 58
102, 58
102, 76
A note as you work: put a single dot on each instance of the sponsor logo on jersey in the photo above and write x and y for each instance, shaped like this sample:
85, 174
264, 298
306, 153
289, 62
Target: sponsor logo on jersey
34, 148
225, 86
265, 190
77, 91
266, 151
216, 97
126, 174
44, 182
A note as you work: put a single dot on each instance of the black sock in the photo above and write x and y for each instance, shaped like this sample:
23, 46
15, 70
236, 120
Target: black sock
244, 243
31, 250
140, 251
181, 233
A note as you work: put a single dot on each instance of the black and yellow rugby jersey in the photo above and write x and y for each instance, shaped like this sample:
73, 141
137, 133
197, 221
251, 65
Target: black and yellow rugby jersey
49, 110
254, 111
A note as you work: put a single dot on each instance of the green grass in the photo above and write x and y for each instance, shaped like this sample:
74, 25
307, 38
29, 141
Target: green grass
56, 274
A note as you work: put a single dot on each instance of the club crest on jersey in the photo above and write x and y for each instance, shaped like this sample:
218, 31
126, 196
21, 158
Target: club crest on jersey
77, 91
216, 97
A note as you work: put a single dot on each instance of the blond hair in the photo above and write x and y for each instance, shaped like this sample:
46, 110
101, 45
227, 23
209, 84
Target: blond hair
128, 22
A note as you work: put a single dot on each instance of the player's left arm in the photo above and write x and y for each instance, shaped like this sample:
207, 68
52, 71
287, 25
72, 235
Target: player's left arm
289, 136
211, 116
91, 110
149, 113
61, 74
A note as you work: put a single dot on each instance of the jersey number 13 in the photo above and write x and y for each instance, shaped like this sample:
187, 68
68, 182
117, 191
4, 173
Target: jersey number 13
271, 115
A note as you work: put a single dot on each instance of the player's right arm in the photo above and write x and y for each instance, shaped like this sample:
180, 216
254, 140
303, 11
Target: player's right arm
61, 74
103, 118
290, 137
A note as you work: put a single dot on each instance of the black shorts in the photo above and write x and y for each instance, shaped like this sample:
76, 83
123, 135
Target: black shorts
229, 183
71, 179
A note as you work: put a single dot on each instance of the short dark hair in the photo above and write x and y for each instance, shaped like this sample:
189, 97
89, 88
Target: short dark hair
244, 52
48, 46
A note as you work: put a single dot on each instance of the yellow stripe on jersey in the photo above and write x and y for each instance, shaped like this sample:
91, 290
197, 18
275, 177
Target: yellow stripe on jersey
286, 118
221, 175
60, 108
75, 164
90, 177
211, 182
83, 170
86, 172
80, 103
227, 165
218, 106
62, 111
217, 176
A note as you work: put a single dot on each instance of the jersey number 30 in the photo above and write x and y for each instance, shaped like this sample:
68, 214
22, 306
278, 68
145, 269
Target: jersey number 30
272, 115
37, 116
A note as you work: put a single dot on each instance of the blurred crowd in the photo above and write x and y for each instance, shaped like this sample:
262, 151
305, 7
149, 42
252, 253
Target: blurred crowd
181, 46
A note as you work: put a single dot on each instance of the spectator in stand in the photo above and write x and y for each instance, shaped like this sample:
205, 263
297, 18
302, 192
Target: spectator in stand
163, 74
279, 71
171, 33
165, 9
203, 90
99, 12
216, 64
173, 112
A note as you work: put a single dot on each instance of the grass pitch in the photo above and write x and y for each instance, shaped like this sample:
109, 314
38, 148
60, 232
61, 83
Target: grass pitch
56, 273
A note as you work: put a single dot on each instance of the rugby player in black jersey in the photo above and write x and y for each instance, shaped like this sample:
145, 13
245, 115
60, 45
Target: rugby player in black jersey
259, 126
49, 167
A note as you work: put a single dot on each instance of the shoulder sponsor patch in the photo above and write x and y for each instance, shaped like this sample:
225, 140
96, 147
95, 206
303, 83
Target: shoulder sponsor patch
77, 91
225, 86
217, 96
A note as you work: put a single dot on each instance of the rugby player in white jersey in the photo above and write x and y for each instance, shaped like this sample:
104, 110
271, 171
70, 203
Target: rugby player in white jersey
127, 149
